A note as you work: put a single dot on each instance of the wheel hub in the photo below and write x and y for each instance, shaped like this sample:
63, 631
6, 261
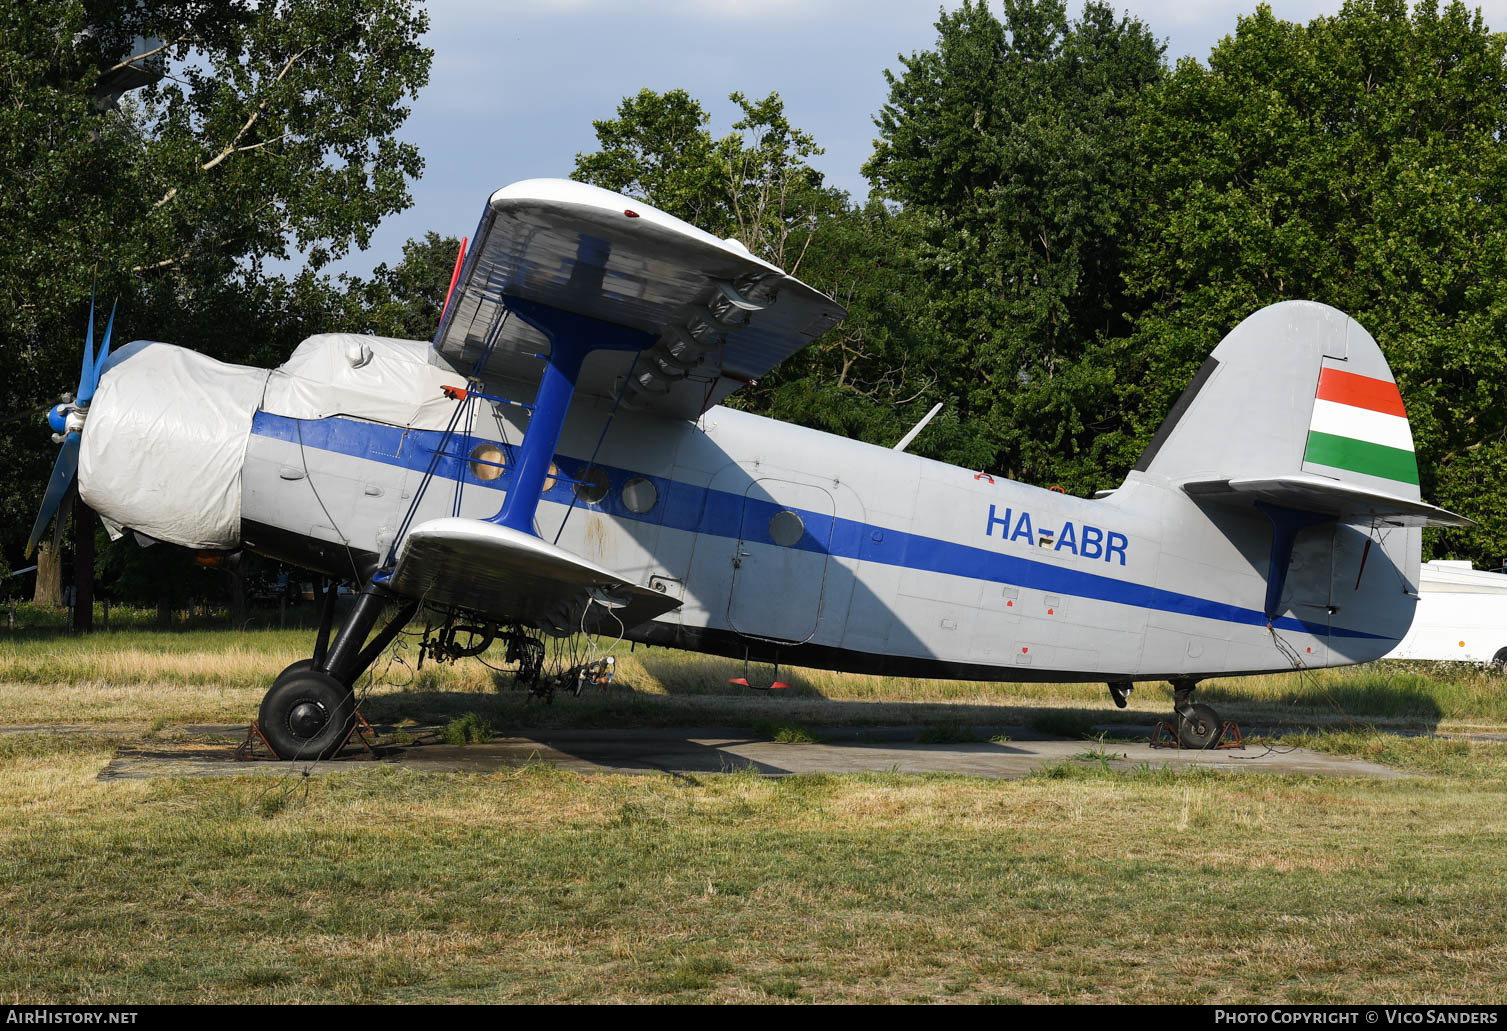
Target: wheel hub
307, 719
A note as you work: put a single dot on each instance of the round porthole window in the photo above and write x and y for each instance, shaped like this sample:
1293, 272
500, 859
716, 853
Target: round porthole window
786, 528
487, 461
593, 485
640, 495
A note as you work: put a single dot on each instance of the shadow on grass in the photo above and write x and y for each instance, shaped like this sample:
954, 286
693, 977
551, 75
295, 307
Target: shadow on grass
689, 673
757, 715
692, 690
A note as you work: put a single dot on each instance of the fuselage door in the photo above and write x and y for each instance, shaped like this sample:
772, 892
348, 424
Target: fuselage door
780, 560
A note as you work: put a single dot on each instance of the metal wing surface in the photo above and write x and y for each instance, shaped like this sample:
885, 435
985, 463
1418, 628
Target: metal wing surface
1308, 492
508, 575
723, 316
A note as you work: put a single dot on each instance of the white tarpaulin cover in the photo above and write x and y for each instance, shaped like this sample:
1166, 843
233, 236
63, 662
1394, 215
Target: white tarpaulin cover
164, 442
379, 378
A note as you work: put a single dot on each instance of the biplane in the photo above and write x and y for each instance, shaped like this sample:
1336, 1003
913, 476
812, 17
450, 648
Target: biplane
557, 461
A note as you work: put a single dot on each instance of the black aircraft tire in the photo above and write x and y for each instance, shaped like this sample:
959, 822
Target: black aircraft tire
301, 666
306, 714
1198, 729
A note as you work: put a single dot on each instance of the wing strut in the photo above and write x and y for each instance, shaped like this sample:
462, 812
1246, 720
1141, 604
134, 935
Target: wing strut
571, 338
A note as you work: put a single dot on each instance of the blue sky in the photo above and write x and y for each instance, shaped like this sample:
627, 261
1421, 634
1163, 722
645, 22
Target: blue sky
516, 84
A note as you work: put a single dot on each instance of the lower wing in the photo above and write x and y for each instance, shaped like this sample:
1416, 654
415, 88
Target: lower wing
509, 576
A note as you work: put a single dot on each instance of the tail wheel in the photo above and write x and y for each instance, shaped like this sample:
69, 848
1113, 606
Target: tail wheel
1198, 726
306, 714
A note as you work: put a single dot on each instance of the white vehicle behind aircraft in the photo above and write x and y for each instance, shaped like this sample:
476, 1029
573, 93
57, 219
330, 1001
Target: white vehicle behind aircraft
1461, 617
557, 460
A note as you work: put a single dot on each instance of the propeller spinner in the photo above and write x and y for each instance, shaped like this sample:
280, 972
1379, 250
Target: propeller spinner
67, 422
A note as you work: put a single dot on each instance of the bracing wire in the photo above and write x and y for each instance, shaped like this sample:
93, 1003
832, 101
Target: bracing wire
345, 541
592, 461
462, 407
1289, 652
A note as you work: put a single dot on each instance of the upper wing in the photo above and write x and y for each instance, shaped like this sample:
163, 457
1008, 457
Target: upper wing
503, 573
1307, 492
724, 317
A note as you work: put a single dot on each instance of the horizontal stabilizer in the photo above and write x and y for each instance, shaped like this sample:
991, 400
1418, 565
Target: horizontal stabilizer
510, 576
1309, 492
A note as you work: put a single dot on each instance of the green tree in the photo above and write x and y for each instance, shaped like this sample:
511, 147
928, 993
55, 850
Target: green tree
753, 185
875, 374
1356, 160
659, 150
867, 379
405, 300
1009, 144
274, 127
774, 196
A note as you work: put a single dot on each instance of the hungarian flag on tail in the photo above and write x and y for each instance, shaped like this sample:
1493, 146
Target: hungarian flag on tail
1359, 425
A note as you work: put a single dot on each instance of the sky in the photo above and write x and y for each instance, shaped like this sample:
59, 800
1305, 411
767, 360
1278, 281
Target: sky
516, 84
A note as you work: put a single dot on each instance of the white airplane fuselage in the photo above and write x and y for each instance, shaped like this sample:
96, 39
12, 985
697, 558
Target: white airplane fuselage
790, 544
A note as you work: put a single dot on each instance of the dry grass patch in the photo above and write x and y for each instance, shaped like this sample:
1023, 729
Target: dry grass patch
220, 675
382, 884
390, 885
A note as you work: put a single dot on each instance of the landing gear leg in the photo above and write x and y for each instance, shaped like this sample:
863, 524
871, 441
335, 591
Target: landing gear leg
1120, 690
1197, 724
309, 710
347, 659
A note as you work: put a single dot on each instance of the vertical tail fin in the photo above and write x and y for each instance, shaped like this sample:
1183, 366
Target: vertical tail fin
1296, 387
1296, 407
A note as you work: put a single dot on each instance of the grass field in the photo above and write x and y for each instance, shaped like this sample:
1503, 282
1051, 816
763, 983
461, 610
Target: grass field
206, 676
385, 884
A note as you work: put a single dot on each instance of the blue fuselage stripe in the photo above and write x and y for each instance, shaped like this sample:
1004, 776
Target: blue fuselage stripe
701, 510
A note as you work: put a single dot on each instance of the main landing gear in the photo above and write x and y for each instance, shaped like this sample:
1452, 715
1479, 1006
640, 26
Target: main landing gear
310, 709
1198, 725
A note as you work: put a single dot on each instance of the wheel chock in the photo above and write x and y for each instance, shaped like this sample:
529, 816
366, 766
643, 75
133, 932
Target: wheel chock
1164, 735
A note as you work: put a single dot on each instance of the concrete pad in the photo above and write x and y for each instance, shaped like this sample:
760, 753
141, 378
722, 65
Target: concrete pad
720, 749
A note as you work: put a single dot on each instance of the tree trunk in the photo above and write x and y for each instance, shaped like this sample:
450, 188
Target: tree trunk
83, 568
49, 577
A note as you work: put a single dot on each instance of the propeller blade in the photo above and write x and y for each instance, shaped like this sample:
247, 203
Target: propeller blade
104, 351
63, 474
64, 511
86, 377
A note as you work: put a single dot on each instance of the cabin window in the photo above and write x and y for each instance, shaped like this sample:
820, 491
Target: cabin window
640, 495
593, 485
487, 461
786, 528
549, 481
